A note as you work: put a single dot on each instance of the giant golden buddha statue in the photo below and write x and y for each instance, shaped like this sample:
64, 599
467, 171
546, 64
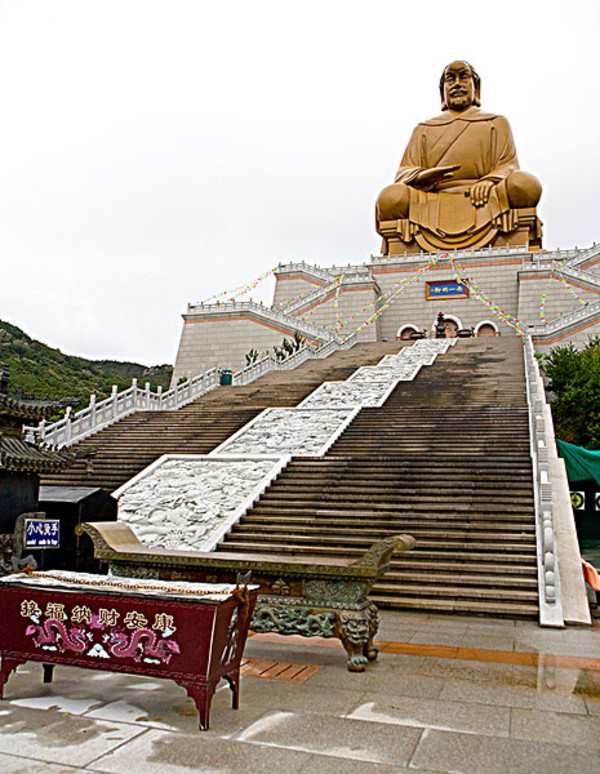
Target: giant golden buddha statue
459, 184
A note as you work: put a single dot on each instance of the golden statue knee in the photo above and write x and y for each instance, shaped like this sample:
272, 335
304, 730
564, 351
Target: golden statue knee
523, 189
393, 202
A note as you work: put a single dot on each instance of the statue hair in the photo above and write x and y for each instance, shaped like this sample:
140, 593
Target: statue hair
476, 81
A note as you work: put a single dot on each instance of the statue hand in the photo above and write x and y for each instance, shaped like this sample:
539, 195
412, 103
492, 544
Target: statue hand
428, 178
480, 192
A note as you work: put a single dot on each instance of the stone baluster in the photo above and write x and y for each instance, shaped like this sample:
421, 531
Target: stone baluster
92, 411
69, 425
114, 396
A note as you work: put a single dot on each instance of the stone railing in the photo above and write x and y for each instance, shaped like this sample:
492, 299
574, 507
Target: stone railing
570, 272
323, 272
76, 426
269, 363
551, 612
563, 268
100, 414
565, 321
330, 288
423, 257
265, 312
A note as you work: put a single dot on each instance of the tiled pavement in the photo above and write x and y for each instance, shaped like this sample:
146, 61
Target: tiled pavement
448, 694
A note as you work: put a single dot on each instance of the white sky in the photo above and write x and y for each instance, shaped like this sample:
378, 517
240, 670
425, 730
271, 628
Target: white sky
155, 153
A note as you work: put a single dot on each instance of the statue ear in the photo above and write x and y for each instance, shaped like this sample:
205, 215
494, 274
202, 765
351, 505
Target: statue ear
477, 87
444, 105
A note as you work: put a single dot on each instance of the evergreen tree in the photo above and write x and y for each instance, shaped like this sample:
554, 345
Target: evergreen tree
574, 380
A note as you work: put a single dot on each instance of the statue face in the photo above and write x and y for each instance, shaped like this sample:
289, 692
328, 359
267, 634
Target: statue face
459, 86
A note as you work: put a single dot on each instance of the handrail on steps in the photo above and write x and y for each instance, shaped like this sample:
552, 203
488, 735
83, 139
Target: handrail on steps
97, 415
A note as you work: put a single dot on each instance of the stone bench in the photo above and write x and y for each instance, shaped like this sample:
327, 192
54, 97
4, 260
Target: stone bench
309, 596
191, 633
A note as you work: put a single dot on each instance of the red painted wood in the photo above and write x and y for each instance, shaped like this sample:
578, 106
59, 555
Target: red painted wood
194, 642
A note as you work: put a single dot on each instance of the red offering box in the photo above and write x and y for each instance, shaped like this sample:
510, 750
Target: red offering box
191, 633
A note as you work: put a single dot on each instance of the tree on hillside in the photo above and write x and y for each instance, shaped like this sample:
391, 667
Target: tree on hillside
574, 379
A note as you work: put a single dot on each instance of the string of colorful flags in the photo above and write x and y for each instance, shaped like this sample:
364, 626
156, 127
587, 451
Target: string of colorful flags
461, 275
241, 290
336, 300
392, 295
386, 299
555, 270
334, 285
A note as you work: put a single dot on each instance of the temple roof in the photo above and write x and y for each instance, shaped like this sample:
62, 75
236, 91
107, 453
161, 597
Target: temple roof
20, 456
26, 410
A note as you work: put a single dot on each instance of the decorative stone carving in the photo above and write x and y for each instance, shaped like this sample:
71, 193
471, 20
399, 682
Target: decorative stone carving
335, 592
287, 431
271, 616
280, 587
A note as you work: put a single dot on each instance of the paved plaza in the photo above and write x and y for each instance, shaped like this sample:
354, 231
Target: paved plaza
448, 694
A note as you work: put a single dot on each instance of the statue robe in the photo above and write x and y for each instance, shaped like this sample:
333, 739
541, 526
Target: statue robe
443, 217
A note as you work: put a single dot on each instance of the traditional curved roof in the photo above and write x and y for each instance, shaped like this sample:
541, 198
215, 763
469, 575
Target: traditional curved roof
27, 410
24, 457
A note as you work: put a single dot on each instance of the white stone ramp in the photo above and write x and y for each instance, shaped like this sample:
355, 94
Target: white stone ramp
297, 431
190, 502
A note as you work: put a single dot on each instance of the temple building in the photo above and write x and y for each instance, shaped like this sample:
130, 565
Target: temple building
555, 296
22, 462
460, 235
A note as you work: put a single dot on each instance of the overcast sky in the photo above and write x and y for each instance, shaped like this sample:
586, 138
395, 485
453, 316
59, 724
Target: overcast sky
156, 153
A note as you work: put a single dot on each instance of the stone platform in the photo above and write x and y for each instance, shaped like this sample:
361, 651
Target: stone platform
448, 694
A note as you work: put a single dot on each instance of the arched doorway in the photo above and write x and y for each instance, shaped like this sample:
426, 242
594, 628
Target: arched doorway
451, 329
406, 332
487, 328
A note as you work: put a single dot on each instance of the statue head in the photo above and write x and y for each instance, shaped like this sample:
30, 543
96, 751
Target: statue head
460, 86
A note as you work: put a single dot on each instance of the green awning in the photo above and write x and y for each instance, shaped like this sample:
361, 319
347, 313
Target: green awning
581, 463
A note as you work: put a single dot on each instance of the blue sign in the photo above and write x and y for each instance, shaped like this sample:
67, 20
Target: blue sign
42, 533
450, 289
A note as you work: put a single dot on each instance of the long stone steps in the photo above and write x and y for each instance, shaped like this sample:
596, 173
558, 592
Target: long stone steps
130, 445
385, 525
422, 552
445, 459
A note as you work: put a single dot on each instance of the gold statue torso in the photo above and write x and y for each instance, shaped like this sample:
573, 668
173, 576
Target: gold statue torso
475, 146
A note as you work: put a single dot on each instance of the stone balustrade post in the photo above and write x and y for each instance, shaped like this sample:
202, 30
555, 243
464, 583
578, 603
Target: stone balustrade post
147, 391
69, 426
114, 399
159, 392
92, 408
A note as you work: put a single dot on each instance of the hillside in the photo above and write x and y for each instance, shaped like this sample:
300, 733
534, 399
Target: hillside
37, 370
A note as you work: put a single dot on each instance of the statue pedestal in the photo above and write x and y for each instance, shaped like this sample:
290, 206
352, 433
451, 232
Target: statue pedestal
526, 232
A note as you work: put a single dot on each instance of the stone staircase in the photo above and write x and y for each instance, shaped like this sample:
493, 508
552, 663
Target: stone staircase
446, 459
130, 445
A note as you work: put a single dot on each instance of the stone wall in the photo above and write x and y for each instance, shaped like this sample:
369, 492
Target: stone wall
558, 301
224, 341
513, 279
